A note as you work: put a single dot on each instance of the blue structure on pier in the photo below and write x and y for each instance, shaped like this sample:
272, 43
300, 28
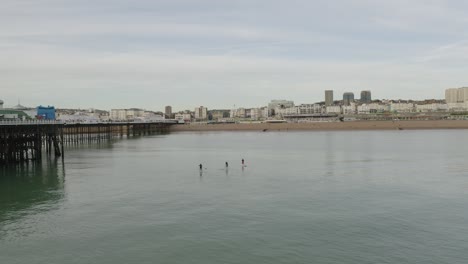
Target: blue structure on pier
46, 113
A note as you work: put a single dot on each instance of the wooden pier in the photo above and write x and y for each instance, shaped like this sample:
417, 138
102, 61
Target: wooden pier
24, 141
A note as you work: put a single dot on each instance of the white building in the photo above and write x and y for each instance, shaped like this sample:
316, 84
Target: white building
463, 95
308, 109
432, 108
349, 109
372, 108
333, 109
258, 113
402, 107
458, 107
280, 112
303, 109
456, 95
238, 113
78, 117
255, 114
201, 113
451, 95
183, 117
149, 116
126, 114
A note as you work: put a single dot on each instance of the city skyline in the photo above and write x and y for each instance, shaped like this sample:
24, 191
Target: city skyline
163, 108
110, 54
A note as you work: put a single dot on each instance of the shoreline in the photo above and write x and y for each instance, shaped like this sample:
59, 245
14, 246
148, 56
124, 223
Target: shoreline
326, 126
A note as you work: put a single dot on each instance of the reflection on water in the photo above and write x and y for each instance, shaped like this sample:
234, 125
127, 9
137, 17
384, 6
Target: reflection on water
324, 197
30, 187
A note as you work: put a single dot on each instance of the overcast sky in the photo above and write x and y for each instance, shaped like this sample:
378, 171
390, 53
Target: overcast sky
127, 53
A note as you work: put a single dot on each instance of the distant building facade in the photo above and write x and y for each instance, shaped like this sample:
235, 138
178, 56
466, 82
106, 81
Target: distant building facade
328, 97
402, 107
333, 109
201, 113
303, 109
349, 109
432, 107
168, 111
217, 115
366, 97
238, 113
348, 98
274, 105
183, 117
373, 108
451, 95
456, 95
126, 114
259, 113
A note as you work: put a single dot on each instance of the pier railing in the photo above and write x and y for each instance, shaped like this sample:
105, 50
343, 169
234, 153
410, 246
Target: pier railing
74, 122
29, 122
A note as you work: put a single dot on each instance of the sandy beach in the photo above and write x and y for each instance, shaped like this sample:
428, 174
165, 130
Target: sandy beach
324, 126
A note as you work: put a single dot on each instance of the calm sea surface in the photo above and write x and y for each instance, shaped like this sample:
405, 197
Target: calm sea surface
304, 197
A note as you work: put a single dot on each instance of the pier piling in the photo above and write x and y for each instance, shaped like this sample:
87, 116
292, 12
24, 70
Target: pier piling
22, 141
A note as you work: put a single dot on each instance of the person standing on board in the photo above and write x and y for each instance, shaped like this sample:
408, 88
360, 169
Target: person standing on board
242, 161
227, 165
201, 166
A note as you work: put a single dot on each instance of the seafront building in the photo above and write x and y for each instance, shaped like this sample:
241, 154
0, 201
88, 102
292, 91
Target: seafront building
373, 108
133, 114
82, 116
201, 113
457, 99
168, 112
276, 105
402, 107
458, 107
78, 117
303, 109
307, 109
248, 114
348, 98
150, 116
425, 108
126, 114
366, 97
218, 115
328, 97
259, 113
183, 117
451, 95
349, 109
238, 113
456, 95
333, 109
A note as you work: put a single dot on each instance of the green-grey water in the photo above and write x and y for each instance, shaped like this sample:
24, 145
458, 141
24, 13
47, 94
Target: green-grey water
304, 197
